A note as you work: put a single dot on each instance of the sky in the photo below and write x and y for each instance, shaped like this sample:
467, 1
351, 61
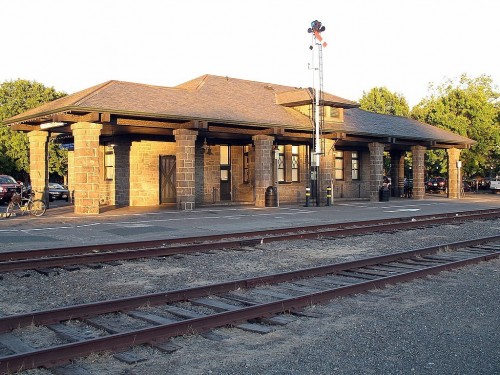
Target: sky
403, 45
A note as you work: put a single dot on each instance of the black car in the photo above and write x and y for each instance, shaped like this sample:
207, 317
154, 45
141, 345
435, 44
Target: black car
8, 186
57, 191
436, 185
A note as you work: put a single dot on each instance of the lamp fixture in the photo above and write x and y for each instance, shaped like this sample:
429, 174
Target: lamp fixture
206, 148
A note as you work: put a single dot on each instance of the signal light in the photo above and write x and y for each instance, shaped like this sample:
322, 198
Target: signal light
316, 26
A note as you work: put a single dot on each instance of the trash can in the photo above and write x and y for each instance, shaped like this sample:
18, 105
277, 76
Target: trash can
384, 194
271, 197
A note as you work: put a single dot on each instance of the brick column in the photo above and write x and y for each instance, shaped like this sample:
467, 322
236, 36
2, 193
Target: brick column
38, 162
326, 170
86, 167
418, 161
453, 178
263, 167
185, 168
376, 169
397, 173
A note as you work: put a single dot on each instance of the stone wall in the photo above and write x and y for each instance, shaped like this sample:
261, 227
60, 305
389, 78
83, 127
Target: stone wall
186, 164
327, 169
38, 162
418, 164
145, 171
241, 192
453, 171
376, 169
354, 189
263, 167
207, 175
86, 167
397, 173
294, 192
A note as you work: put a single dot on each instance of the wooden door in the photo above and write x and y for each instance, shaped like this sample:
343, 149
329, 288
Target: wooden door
167, 179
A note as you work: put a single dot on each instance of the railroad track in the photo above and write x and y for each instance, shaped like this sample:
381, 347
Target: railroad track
252, 304
70, 256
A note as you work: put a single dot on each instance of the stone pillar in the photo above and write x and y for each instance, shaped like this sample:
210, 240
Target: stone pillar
376, 169
326, 170
38, 162
397, 173
418, 160
86, 167
454, 179
185, 168
263, 167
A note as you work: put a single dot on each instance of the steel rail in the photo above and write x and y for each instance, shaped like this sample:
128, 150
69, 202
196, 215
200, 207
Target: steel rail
115, 342
455, 216
84, 311
40, 258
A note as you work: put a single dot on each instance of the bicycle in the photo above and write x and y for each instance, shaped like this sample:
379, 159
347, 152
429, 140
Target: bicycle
22, 202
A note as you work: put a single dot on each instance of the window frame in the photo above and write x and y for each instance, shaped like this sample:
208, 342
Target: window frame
281, 167
295, 164
339, 165
355, 164
109, 162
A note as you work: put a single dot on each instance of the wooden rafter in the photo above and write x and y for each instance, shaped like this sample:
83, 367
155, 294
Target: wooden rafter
71, 117
194, 124
335, 136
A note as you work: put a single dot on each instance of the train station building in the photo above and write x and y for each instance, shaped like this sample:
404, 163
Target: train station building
215, 140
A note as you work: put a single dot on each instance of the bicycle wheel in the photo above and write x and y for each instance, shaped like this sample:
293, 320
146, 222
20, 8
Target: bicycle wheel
12, 209
37, 207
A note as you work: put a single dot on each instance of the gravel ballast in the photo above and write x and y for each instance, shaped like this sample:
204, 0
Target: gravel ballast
444, 324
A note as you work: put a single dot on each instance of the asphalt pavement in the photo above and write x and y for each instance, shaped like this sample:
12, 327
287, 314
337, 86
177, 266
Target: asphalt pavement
61, 227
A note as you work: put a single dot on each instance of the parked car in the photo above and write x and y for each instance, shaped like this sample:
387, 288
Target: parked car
57, 191
436, 185
495, 185
8, 186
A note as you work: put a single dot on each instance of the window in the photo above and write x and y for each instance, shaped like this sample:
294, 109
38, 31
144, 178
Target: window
281, 164
109, 162
225, 163
355, 165
334, 112
295, 163
224, 155
339, 165
246, 162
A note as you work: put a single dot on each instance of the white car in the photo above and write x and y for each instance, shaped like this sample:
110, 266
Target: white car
495, 185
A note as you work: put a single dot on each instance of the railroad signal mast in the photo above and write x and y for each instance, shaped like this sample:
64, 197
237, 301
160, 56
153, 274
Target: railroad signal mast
318, 110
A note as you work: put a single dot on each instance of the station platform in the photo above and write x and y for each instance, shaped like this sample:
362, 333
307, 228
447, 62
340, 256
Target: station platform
61, 227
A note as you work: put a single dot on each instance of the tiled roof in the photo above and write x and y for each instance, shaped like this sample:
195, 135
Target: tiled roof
302, 96
234, 101
212, 98
360, 122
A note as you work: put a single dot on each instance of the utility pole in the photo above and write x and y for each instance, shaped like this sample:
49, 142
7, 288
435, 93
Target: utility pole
318, 111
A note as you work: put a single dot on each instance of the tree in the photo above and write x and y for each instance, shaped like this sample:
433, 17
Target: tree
58, 159
468, 107
381, 100
17, 97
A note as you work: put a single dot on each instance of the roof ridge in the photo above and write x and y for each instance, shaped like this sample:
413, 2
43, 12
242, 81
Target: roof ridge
97, 89
205, 77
